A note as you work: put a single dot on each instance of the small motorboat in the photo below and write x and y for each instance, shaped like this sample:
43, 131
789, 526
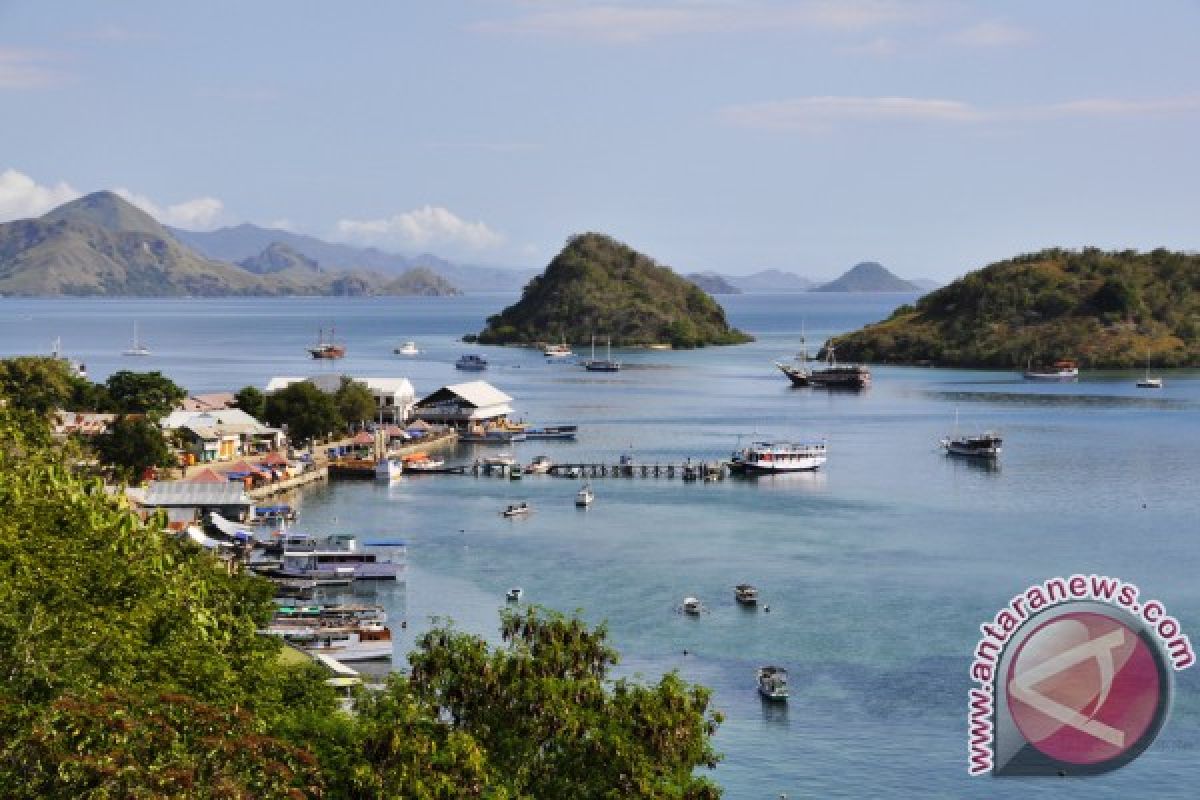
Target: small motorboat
514, 595
388, 469
1150, 383
540, 465
562, 350
422, 462
983, 445
472, 362
746, 594
773, 683
1061, 370
517, 510
692, 606
515, 473
499, 460
407, 349
585, 496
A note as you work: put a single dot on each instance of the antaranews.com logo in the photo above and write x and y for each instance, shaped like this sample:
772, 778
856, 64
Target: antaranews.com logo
1074, 677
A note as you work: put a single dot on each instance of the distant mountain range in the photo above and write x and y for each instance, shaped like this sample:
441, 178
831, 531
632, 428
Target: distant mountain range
246, 241
100, 244
712, 283
869, 276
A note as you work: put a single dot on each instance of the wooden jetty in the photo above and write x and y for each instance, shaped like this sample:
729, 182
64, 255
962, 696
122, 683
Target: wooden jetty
687, 470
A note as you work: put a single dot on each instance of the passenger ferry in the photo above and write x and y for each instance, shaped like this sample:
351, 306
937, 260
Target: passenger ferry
471, 362
771, 457
338, 564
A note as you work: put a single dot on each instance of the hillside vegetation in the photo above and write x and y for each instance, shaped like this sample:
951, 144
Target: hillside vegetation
599, 286
1105, 309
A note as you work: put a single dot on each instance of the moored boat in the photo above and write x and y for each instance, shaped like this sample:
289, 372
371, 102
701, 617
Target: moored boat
773, 682
388, 469
540, 465
691, 606
514, 595
585, 496
838, 376
138, 348
471, 362
562, 350
605, 364
407, 349
422, 462
499, 460
773, 457
339, 564
552, 432
517, 510
1148, 382
344, 643
746, 594
983, 445
1061, 370
327, 349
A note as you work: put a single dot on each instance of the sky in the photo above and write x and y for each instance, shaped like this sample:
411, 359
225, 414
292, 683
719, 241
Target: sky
933, 136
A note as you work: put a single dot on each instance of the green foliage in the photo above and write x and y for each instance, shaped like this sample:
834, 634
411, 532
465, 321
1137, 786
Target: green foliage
131, 445
554, 725
599, 287
154, 745
354, 401
1104, 309
307, 412
149, 393
39, 383
251, 400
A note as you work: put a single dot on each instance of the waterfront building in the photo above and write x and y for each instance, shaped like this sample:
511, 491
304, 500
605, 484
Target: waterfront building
475, 404
394, 397
221, 435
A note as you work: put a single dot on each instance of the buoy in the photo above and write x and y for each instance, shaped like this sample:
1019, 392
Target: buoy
766, 609
685, 652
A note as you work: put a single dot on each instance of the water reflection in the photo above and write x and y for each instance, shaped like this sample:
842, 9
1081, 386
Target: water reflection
774, 713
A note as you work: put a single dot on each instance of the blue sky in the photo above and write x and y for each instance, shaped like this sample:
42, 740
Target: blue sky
934, 136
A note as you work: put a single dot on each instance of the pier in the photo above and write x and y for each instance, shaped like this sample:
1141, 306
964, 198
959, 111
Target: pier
689, 469
288, 484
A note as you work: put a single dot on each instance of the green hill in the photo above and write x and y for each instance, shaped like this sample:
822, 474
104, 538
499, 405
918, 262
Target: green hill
1104, 309
599, 286
278, 257
419, 281
869, 276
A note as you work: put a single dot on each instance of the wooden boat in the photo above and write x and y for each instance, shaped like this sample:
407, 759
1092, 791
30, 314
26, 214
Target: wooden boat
983, 445
773, 683
1061, 370
745, 594
471, 362
838, 376
326, 349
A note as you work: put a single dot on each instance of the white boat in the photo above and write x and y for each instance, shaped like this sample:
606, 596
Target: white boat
773, 683
605, 364
138, 348
407, 349
471, 362
517, 510
585, 496
774, 457
557, 350
1148, 382
982, 445
78, 368
388, 469
422, 462
500, 460
513, 595
692, 606
746, 594
344, 643
1062, 370
540, 465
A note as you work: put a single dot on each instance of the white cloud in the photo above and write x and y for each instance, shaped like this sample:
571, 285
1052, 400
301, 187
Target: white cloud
195, 214
992, 33
25, 69
814, 114
421, 227
623, 23
21, 196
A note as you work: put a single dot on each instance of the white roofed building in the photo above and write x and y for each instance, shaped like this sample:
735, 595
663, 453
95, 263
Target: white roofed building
222, 435
463, 405
394, 397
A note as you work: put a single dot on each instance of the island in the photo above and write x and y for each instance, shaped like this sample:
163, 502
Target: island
597, 286
868, 276
1103, 309
713, 282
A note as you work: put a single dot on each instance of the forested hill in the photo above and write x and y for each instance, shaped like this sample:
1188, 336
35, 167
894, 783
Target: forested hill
597, 286
1105, 309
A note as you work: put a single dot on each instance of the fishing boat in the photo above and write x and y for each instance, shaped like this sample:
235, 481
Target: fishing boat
517, 510
983, 445
499, 460
138, 348
326, 349
838, 376
562, 350
1148, 382
745, 594
552, 432
773, 683
422, 462
388, 469
471, 362
407, 349
605, 364
585, 496
540, 465
775, 457
513, 595
691, 606
1061, 370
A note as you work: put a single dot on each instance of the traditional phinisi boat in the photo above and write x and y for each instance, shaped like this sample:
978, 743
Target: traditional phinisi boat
839, 376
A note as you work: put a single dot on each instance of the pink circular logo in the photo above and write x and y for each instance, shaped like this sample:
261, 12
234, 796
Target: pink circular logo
1084, 688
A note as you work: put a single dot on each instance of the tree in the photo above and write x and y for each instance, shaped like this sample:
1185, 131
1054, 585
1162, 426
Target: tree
551, 721
133, 444
354, 401
307, 412
39, 383
149, 393
251, 400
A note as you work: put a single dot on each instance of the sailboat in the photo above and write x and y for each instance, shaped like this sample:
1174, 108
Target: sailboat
1148, 382
327, 349
602, 365
138, 348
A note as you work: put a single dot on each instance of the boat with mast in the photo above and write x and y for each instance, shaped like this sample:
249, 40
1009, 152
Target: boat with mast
980, 445
798, 375
138, 348
605, 364
1148, 382
839, 376
327, 349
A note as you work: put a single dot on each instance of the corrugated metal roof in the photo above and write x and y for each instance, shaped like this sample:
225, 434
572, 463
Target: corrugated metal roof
187, 493
476, 393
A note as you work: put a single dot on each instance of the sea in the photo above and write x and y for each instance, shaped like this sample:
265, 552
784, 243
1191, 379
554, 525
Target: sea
877, 570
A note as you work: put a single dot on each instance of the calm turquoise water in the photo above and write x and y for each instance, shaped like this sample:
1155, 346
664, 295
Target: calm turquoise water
877, 570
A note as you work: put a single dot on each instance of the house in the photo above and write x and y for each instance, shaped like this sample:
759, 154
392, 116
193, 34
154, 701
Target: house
221, 435
465, 405
394, 397
217, 401
187, 501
